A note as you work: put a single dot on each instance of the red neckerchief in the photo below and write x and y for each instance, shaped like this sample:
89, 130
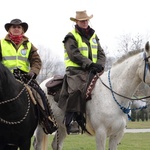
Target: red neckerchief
16, 39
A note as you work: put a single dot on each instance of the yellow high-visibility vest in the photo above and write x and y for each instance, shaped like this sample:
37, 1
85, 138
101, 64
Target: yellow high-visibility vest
15, 59
83, 48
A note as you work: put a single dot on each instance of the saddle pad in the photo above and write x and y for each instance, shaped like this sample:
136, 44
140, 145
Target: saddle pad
56, 80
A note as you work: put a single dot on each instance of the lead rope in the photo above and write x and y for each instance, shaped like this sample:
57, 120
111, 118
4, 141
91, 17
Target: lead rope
57, 134
132, 99
125, 110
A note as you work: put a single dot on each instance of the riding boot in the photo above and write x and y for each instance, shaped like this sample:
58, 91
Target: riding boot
81, 122
67, 121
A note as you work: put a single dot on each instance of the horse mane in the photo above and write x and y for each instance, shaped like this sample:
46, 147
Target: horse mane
127, 55
6, 76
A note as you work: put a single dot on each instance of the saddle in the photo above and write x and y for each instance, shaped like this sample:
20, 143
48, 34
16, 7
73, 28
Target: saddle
54, 86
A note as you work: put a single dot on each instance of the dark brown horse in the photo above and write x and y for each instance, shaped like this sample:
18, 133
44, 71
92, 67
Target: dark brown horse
18, 114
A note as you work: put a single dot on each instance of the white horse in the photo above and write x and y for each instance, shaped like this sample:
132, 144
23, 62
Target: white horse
106, 112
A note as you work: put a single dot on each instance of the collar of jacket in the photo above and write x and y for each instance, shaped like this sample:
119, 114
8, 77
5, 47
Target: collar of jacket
84, 32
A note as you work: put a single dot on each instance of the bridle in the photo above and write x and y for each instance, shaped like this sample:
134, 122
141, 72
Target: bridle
146, 66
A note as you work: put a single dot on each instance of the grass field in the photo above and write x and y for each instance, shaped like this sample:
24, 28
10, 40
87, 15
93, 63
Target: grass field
138, 125
130, 141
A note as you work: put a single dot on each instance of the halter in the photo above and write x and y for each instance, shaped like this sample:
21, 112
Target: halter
146, 67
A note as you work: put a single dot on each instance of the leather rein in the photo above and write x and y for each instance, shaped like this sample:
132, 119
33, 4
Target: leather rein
146, 68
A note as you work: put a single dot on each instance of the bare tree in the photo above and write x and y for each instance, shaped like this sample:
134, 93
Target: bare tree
137, 42
109, 61
52, 64
128, 43
124, 43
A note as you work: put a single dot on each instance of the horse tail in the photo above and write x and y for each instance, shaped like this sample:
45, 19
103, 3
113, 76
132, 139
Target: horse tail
45, 142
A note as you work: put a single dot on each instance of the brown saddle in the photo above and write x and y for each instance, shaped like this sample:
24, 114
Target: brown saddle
54, 84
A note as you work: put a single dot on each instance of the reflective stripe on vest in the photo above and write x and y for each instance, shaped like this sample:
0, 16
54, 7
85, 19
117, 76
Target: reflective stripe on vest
15, 59
83, 48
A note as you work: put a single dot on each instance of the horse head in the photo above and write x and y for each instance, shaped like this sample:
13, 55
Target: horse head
144, 66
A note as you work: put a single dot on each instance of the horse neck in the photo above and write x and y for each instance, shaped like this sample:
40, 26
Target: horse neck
9, 89
125, 76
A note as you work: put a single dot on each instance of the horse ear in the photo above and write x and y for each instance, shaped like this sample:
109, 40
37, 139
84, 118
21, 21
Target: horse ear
147, 46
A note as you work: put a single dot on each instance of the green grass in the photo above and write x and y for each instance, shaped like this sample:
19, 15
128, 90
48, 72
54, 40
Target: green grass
130, 141
135, 141
138, 125
79, 142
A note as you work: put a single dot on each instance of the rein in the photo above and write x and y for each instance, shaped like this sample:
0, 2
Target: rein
124, 109
127, 110
146, 67
13, 99
132, 99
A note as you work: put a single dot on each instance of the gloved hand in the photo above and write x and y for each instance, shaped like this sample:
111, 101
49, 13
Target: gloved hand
32, 75
96, 68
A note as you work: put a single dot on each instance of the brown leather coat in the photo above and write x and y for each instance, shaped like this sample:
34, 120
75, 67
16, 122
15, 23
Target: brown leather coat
72, 96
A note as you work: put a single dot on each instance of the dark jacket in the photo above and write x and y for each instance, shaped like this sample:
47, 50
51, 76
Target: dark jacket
72, 96
74, 54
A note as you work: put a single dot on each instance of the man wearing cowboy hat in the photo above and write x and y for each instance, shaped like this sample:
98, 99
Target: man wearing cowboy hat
20, 56
84, 57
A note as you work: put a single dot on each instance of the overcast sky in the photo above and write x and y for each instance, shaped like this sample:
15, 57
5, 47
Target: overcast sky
49, 20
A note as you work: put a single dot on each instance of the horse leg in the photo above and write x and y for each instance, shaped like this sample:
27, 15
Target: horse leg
59, 138
100, 139
114, 140
40, 141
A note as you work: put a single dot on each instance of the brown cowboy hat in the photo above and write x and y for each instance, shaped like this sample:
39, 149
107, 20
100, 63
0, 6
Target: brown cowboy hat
81, 15
16, 22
